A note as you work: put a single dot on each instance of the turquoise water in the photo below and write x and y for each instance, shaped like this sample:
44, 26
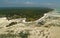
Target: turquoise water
58, 9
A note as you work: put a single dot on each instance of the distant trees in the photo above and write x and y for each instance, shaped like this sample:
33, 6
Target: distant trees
30, 13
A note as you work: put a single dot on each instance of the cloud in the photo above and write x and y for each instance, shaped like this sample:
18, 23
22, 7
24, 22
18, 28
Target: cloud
26, 3
53, 5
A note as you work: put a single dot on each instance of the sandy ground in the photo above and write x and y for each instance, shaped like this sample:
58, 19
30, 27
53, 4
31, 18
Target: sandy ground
48, 30
36, 32
55, 32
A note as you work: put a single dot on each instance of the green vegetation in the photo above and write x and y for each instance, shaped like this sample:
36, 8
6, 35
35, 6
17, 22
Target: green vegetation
12, 23
30, 13
24, 34
8, 36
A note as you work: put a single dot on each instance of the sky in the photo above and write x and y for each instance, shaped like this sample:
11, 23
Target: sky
30, 3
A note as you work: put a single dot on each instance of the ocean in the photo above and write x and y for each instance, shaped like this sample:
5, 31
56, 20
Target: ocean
58, 9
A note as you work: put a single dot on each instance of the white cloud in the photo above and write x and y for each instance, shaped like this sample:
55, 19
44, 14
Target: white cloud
28, 2
47, 3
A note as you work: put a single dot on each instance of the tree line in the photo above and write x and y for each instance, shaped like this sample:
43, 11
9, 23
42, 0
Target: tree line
30, 13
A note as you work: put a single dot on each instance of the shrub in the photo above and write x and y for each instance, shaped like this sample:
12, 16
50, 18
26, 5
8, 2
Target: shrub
24, 34
7, 36
12, 23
